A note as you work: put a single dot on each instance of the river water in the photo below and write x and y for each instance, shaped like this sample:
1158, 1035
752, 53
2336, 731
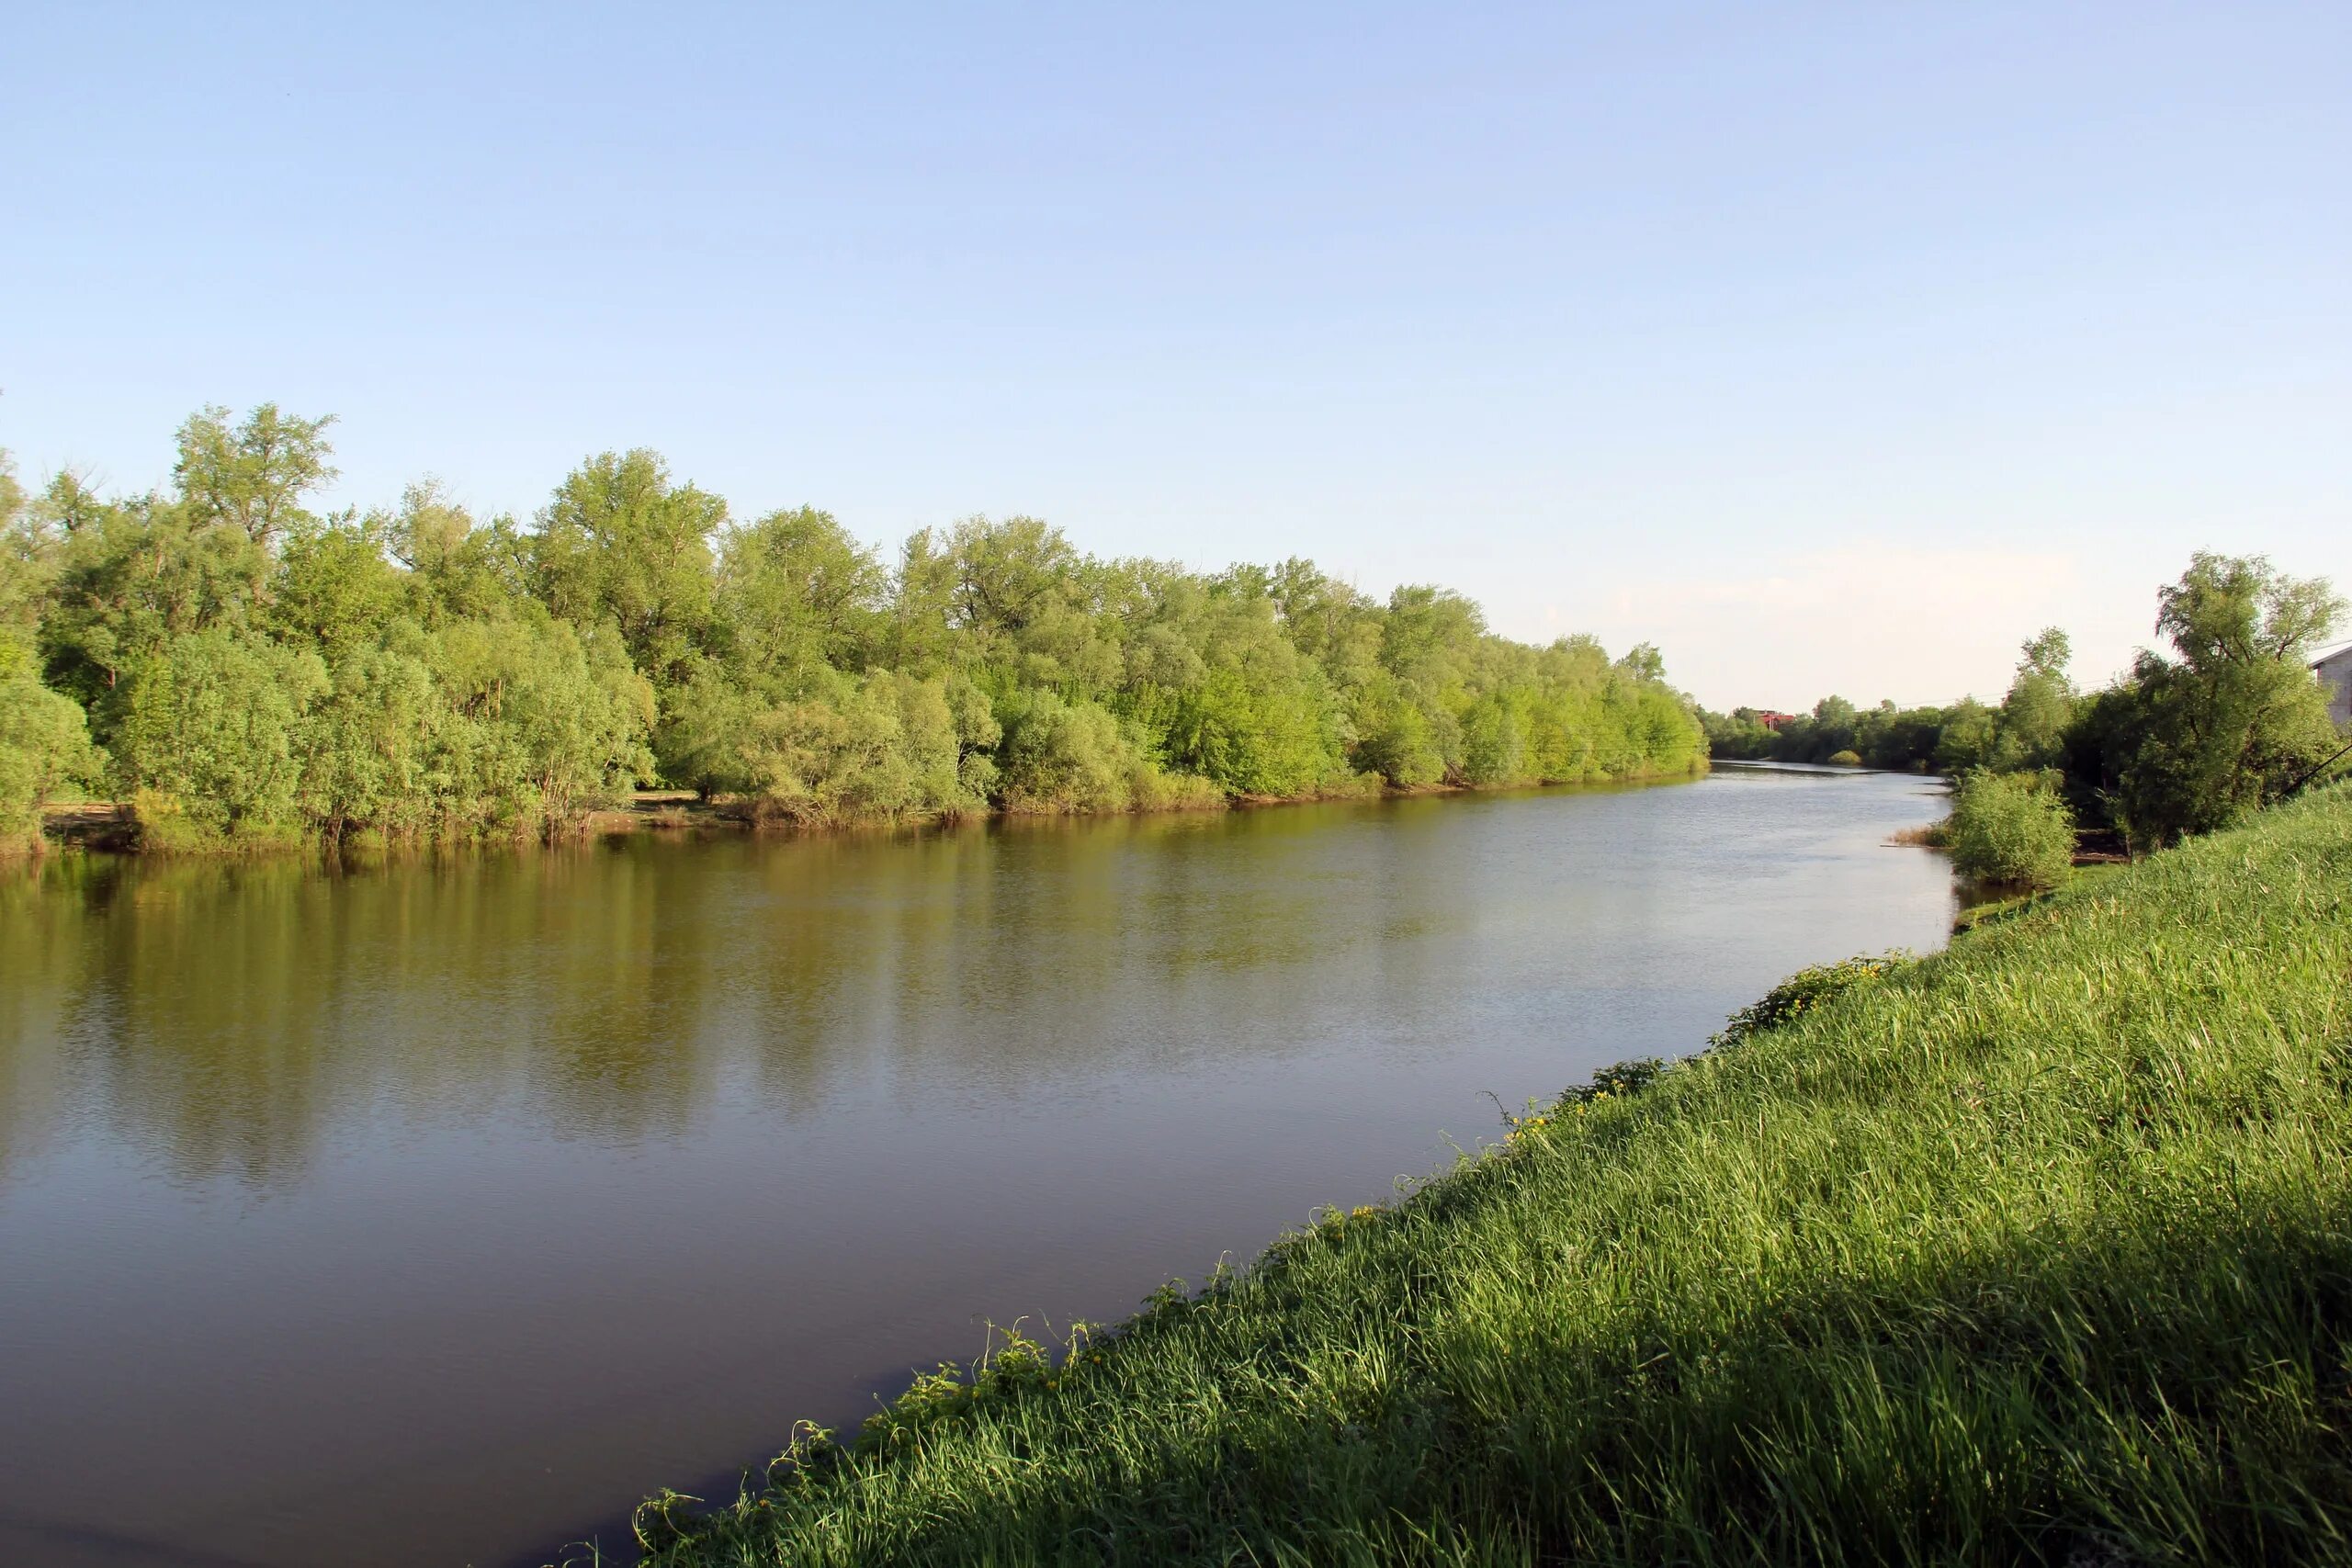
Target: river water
434, 1212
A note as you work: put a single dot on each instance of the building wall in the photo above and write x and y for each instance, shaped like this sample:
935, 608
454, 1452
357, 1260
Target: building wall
2336, 674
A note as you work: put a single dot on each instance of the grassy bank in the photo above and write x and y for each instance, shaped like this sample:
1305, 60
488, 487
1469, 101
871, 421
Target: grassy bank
2040, 1249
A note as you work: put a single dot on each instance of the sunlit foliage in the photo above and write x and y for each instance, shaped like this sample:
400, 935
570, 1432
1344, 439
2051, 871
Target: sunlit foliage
258, 672
2229, 720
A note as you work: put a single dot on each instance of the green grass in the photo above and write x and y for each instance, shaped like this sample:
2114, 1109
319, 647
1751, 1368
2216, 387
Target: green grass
2036, 1250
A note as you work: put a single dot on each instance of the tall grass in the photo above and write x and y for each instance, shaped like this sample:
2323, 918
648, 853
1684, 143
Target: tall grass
2037, 1250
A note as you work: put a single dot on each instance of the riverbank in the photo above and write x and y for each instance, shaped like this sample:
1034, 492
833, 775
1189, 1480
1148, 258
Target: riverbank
114, 827
2032, 1250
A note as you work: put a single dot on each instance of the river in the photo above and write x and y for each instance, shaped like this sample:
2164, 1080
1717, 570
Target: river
432, 1213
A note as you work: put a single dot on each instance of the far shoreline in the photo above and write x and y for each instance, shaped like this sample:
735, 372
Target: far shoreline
112, 828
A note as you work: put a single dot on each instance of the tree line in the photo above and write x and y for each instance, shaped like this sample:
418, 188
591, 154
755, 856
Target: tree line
2227, 719
246, 671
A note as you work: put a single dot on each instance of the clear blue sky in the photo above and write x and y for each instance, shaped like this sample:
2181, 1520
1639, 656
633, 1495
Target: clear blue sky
1830, 347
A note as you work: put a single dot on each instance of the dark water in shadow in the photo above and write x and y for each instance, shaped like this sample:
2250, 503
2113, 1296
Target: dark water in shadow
433, 1213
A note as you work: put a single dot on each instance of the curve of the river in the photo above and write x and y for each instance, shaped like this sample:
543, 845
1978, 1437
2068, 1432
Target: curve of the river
432, 1213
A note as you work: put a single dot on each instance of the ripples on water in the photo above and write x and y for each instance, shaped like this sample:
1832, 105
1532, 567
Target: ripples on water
433, 1213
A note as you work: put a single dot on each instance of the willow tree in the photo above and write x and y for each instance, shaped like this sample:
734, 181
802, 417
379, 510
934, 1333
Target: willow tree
2233, 718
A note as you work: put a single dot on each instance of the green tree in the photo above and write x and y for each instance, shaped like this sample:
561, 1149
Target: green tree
922, 634
1889, 737
1968, 737
1738, 735
457, 569
252, 476
1395, 737
619, 541
885, 746
132, 574
1329, 621
2029, 729
1024, 603
28, 552
2233, 718
1493, 739
372, 751
554, 721
333, 590
797, 594
260, 670
1059, 756
1643, 661
1430, 637
44, 749
209, 737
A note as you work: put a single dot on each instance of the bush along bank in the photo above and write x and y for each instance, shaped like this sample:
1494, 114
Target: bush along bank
2010, 830
2038, 1250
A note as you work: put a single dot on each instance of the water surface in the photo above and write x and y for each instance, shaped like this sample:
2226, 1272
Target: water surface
432, 1213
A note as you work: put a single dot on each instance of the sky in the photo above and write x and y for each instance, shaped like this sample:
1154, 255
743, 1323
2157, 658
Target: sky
1831, 348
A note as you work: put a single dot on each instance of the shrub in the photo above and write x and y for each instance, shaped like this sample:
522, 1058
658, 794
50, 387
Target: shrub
883, 748
1397, 743
1807, 989
548, 726
44, 744
2011, 830
1062, 756
215, 722
1272, 737
1846, 759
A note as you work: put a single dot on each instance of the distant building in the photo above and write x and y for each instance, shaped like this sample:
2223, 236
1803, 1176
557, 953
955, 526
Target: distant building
1772, 720
2334, 671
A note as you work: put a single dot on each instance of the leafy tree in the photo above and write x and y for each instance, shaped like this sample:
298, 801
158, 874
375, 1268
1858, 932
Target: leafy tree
1493, 739
457, 569
1257, 737
210, 737
261, 672
1396, 738
251, 476
334, 589
44, 749
1009, 577
2234, 717
1643, 661
621, 542
795, 595
2028, 730
1329, 621
706, 736
28, 549
1069, 757
555, 721
1967, 741
373, 750
922, 631
883, 747
1900, 739
131, 575
1025, 600
1247, 710
1429, 637
1738, 735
